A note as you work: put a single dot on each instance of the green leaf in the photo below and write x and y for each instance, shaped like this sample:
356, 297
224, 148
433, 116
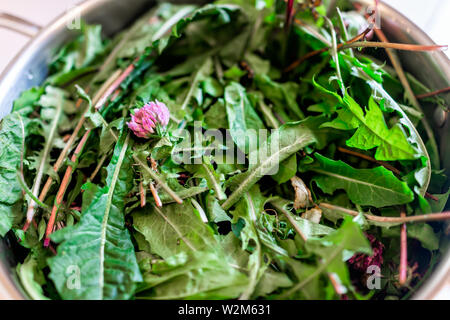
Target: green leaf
184, 193
214, 210
379, 93
92, 45
425, 234
284, 142
283, 96
98, 250
334, 249
249, 210
12, 130
216, 116
391, 143
195, 265
422, 232
193, 275
202, 72
271, 281
258, 65
28, 273
212, 87
308, 228
28, 98
376, 187
242, 118
372, 132
55, 99
173, 229
439, 206
207, 172
339, 246
288, 169
234, 73
329, 100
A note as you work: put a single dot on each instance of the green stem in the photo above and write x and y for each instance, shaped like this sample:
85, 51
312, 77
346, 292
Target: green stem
27, 190
344, 33
46, 153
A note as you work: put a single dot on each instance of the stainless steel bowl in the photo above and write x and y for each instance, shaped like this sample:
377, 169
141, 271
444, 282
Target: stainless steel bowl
29, 69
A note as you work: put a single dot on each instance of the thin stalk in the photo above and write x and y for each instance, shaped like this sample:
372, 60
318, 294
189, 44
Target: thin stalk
369, 158
334, 54
113, 83
433, 93
289, 9
336, 285
313, 31
256, 269
98, 167
311, 54
33, 197
142, 193
390, 45
200, 210
344, 33
430, 196
321, 268
116, 83
62, 156
267, 112
443, 216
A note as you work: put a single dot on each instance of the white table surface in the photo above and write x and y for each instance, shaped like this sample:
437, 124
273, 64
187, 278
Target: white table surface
433, 16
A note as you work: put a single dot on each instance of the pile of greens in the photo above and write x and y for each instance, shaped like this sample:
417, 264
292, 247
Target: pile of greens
355, 162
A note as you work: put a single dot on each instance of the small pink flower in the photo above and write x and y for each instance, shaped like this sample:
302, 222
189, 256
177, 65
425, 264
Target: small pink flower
145, 120
362, 261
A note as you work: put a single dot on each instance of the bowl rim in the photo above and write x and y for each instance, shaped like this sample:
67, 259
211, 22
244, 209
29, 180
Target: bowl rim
10, 286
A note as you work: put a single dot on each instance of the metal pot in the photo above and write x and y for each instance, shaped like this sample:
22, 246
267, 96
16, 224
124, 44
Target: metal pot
29, 69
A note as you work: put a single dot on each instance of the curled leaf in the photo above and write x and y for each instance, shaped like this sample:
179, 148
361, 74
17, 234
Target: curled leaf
302, 194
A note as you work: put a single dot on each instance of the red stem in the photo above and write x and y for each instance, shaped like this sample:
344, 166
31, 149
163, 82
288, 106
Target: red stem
368, 158
430, 196
434, 93
289, 8
142, 194
403, 252
158, 201
114, 86
311, 54
63, 187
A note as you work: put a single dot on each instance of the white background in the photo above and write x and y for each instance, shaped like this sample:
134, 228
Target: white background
433, 16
